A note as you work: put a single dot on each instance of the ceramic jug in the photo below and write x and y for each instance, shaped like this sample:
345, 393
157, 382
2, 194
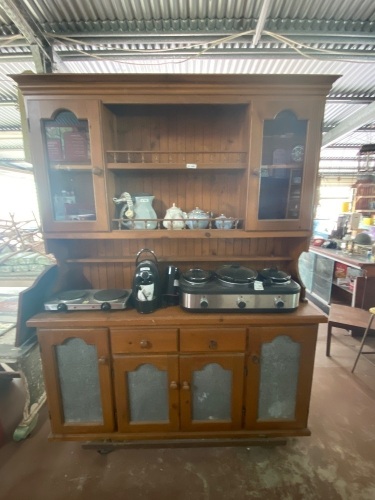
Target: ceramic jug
140, 209
143, 210
174, 218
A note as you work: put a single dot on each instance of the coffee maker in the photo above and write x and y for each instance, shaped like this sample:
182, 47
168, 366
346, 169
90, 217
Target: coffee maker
146, 291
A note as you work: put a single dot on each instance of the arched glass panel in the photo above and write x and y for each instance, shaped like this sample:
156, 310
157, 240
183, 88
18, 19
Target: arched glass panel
279, 369
67, 147
212, 393
77, 365
281, 173
148, 394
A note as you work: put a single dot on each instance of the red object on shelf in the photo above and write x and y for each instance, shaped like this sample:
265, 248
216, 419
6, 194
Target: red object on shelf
76, 146
340, 270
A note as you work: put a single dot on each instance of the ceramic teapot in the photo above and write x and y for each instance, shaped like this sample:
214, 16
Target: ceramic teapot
197, 219
223, 222
174, 218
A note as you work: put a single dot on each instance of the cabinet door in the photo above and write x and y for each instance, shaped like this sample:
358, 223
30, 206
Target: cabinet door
146, 389
68, 160
279, 376
284, 155
77, 375
211, 392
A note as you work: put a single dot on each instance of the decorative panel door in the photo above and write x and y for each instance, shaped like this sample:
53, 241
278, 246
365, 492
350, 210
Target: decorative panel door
67, 144
77, 374
279, 376
146, 389
211, 392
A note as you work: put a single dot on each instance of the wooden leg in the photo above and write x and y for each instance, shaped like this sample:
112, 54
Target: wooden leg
329, 336
363, 341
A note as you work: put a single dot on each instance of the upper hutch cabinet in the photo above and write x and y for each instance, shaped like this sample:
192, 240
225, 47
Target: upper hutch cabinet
67, 153
284, 155
243, 146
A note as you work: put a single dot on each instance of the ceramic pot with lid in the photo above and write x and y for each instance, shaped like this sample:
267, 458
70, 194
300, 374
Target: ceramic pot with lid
174, 218
223, 222
197, 219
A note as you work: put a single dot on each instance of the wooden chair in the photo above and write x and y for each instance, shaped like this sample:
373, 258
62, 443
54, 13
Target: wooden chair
349, 318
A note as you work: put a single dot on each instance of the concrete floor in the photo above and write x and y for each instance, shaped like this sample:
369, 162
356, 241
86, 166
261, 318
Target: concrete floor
336, 462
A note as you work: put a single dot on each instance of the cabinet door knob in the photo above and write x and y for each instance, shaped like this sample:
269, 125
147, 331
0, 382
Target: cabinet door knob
145, 344
185, 386
102, 360
255, 173
255, 359
173, 385
212, 344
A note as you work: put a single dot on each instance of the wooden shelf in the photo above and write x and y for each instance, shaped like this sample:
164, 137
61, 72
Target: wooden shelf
71, 166
177, 258
175, 234
176, 166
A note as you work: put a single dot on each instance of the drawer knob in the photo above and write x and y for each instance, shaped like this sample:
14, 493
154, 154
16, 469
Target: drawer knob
173, 385
255, 359
185, 386
212, 344
145, 344
102, 360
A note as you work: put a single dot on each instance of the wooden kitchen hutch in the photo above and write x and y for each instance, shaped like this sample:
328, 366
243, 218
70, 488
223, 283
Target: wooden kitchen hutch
245, 146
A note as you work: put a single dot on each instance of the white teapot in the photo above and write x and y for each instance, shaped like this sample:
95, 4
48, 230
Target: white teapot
174, 218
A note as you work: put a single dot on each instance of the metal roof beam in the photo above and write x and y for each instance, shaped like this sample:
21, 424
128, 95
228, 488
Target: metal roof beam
261, 22
216, 53
353, 122
41, 49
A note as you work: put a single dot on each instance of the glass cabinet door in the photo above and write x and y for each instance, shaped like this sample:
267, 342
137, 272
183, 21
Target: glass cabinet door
77, 375
146, 393
69, 137
211, 391
283, 166
280, 368
281, 172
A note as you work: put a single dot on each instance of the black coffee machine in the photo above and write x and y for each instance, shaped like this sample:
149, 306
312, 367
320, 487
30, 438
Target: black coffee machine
171, 294
146, 291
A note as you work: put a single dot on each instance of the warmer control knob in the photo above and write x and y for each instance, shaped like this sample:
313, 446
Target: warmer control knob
106, 306
279, 303
241, 303
204, 303
62, 307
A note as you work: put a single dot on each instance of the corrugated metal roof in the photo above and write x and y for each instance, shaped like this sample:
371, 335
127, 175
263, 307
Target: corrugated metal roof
92, 36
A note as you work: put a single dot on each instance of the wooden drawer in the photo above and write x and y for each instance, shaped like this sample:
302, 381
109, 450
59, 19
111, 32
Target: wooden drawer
212, 339
143, 340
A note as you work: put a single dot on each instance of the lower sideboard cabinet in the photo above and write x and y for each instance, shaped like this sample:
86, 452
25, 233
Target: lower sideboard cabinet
155, 382
77, 374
